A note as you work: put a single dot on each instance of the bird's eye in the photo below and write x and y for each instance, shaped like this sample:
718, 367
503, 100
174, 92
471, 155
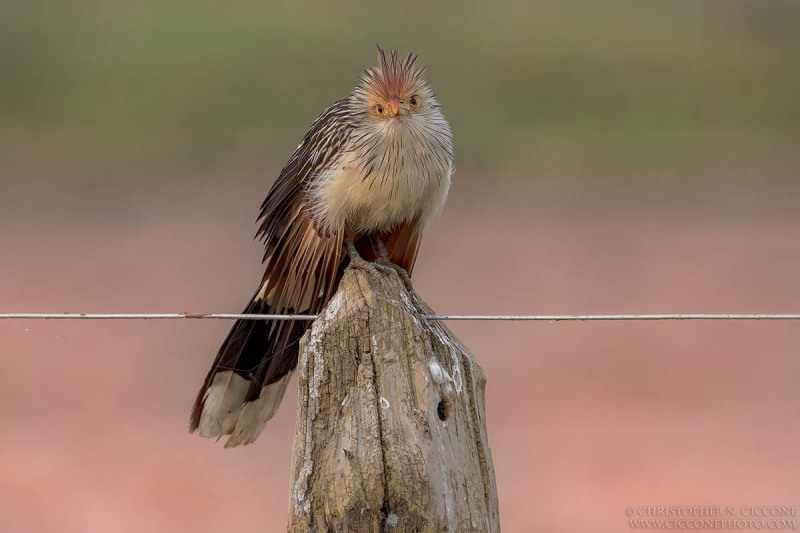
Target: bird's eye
379, 109
414, 101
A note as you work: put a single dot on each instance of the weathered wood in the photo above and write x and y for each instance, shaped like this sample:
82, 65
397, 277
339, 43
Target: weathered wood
391, 431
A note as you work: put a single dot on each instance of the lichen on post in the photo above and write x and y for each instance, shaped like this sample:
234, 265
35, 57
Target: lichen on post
391, 430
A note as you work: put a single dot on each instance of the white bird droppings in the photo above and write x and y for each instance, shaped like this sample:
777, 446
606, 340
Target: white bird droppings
437, 372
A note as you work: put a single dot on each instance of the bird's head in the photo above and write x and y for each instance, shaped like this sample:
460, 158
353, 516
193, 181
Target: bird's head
394, 93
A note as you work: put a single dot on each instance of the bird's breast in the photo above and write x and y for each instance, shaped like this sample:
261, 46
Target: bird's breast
376, 191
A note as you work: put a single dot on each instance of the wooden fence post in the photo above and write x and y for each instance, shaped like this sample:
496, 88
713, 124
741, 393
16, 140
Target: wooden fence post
391, 429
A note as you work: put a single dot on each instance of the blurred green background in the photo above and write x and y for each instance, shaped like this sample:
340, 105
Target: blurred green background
676, 91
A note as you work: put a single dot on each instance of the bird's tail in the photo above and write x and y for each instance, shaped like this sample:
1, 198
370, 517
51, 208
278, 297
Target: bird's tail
249, 376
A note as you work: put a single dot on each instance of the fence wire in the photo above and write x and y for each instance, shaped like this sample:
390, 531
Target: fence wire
512, 318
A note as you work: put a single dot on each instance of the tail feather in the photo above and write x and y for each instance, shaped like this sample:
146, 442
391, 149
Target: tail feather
255, 414
220, 405
247, 381
249, 376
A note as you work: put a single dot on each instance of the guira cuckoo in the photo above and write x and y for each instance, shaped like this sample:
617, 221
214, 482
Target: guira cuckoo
370, 173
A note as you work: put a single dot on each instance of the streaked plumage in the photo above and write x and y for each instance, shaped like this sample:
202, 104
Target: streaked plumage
374, 165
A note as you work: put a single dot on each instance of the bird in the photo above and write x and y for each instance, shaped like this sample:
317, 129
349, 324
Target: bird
371, 172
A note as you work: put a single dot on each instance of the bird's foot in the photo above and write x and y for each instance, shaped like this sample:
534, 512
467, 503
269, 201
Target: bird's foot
403, 276
383, 253
355, 258
386, 264
382, 264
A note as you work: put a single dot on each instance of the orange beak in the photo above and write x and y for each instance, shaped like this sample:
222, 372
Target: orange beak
394, 106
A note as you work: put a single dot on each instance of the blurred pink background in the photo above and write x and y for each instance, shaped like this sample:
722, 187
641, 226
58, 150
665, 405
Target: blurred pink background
584, 419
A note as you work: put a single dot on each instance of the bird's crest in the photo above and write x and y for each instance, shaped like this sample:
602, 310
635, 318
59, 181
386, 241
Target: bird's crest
393, 76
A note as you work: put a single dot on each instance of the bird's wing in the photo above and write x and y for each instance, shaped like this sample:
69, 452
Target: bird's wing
403, 243
300, 258
249, 375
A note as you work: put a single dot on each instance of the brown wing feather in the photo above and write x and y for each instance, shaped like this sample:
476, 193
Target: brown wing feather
403, 245
301, 267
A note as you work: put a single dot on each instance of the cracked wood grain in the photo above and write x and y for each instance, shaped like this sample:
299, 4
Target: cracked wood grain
391, 429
